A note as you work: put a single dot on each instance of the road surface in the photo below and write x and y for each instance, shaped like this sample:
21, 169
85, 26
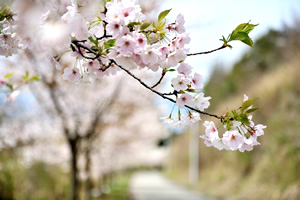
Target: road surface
154, 186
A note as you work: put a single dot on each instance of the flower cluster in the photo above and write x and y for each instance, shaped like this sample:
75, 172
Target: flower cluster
120, 38
238, 135
126, 40
8, 40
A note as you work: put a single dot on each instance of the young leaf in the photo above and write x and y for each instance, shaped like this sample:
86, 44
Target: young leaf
26, 75
8, 75
93, 41
252, 109
35, 78
110, 43
144, 26
132, 24
247, 104
241, 33
171, 70
162, 15
9, 86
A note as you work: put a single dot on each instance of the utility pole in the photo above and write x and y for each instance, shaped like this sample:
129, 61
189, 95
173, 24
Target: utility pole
194, 154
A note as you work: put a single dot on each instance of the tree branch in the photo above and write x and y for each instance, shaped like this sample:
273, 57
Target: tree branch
160, 94
159, 81
207, 52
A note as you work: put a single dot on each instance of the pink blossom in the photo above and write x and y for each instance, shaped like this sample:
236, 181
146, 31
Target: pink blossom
180, 83
210, 130
71, 74
197, 81
191, 118
259, 129
126, 45
76, 23
113, 69
233, 139
184, 69
168, 120
246, 147
77, 54
114, 28
164, 52
184, 99
92, 66
182, 40
141, 42
201, 102
176, 56
150, 56
179, 24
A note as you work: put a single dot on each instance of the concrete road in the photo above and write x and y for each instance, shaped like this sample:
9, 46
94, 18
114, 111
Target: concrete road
154, 186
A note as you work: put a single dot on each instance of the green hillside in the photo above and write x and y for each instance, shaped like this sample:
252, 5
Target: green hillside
270, 71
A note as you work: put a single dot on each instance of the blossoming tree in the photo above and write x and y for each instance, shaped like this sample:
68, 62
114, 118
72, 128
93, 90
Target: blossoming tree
115, 36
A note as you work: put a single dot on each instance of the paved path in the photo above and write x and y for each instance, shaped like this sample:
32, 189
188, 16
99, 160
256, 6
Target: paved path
154, 186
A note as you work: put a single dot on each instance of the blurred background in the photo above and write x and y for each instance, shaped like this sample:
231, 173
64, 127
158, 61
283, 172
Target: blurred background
97, 138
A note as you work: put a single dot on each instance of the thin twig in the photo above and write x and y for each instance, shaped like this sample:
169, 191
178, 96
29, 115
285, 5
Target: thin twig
159, 81
207, 52
160, 94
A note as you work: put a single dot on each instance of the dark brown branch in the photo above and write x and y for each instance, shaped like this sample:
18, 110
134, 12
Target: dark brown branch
207, 52
161, 95
161, 78
89, 50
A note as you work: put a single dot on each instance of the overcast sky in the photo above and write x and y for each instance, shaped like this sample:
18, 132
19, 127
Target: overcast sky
207, 21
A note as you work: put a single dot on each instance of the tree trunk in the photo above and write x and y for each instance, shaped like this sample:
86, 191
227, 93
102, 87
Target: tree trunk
88, 183
74, 169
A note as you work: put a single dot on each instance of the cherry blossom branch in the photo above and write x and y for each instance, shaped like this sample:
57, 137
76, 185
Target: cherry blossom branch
161, 78
78, 45
207, 52
162, 95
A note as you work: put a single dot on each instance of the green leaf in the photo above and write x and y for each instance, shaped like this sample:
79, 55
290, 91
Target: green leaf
162, 15
9, 86
171, 70
132, 24
248, 103
144, 26
35, 78
251, 110
26, 75
8, 75
244, 119
95, 41
110, 43
241, 33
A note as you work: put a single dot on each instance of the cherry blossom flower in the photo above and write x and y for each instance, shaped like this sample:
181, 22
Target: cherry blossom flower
92, 66
126, 45
184, 99
184, 69
167, 120
179, 24
182, 40
259, 129
191, 118
201, 102
164, 50
180, 82
114, 28
77, 54
76, 23
150, 56
197, 81
71, 74
141, 42
233, 139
